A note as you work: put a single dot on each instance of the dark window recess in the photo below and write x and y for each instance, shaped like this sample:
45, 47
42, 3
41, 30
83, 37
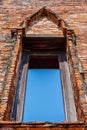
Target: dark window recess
46, 62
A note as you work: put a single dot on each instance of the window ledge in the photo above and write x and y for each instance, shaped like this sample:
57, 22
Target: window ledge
42, 124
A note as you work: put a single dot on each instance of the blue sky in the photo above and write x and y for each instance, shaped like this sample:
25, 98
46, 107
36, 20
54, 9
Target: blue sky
43, 101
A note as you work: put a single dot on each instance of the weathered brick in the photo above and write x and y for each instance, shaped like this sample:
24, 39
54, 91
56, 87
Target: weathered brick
12, 13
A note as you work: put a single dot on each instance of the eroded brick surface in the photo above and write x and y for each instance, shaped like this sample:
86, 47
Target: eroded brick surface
42, 126
12, 13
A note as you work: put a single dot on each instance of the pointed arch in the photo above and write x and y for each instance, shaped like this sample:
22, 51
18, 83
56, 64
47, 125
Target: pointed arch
44, 12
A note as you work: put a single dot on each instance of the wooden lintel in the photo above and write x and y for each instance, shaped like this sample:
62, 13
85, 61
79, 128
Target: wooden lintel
43, 62
44, 42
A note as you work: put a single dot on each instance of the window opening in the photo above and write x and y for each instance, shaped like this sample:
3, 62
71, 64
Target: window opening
43, 98
37, 56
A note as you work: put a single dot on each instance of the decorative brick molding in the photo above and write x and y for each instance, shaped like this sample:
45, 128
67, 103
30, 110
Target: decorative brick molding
44, 12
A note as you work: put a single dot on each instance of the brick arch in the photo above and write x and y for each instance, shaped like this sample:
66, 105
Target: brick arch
44, 12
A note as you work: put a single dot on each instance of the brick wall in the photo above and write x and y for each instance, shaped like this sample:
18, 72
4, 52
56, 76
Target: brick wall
12, 13
41, 126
